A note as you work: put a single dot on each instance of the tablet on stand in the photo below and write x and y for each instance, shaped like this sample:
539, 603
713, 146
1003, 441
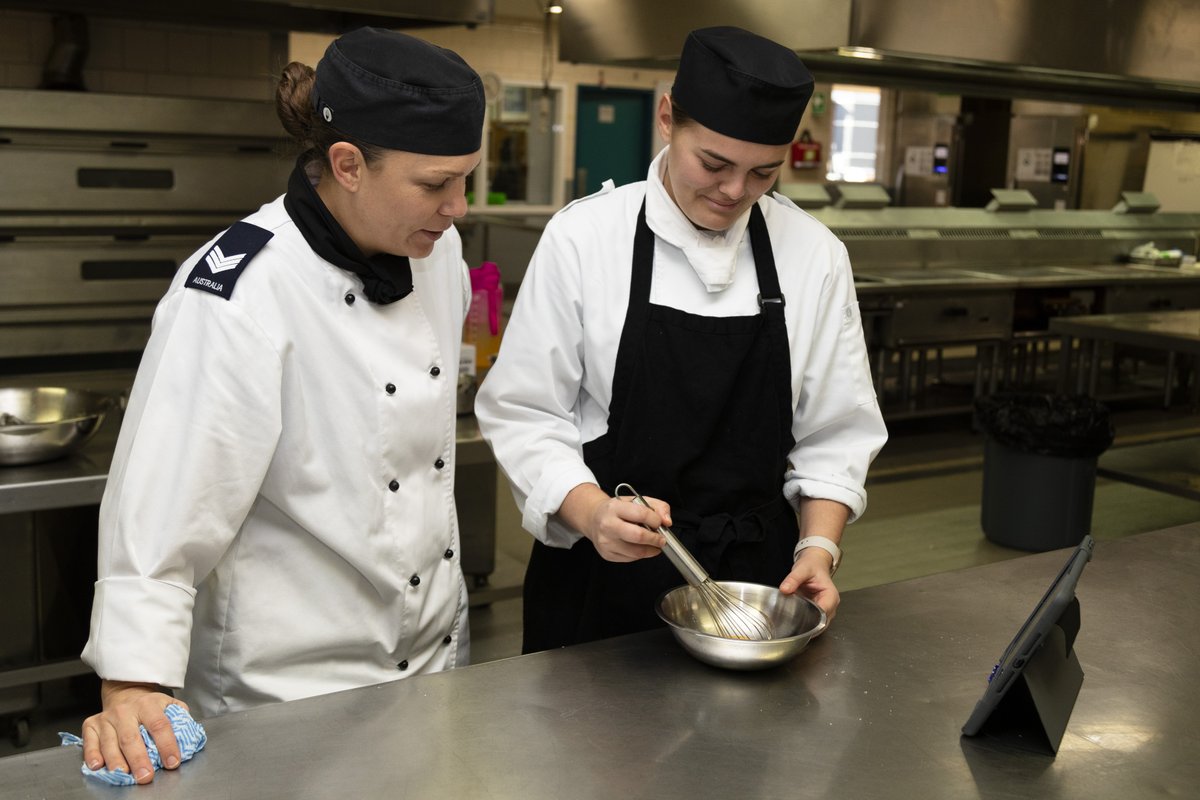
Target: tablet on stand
1032, 689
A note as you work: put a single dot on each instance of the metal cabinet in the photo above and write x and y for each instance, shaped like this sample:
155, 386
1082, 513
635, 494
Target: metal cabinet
1160, 297
944, 318
46, 584
18, 625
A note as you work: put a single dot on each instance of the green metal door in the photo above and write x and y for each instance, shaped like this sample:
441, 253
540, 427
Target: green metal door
612, 136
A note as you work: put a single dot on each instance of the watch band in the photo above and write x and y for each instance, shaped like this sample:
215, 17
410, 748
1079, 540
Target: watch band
828, 545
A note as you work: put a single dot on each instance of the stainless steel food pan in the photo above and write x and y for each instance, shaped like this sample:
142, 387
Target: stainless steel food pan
44, 423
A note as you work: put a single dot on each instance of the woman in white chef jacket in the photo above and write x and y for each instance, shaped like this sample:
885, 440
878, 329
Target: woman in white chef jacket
700, 340
279, 519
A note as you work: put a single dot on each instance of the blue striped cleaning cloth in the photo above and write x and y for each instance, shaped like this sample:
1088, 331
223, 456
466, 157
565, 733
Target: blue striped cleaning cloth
189, 733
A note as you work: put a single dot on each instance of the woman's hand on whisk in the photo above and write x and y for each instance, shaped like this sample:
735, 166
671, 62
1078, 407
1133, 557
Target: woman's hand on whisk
810, 576
616, 527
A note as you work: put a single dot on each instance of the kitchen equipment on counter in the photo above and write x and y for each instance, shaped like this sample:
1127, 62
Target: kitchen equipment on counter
1150, 255
794, 618
728, 614
44, 423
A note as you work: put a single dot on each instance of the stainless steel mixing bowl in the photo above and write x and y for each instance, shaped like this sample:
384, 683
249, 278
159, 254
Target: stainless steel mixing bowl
795, 618
44, 423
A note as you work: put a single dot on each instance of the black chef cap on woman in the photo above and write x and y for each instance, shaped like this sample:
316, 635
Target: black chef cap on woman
401, 93
742, 85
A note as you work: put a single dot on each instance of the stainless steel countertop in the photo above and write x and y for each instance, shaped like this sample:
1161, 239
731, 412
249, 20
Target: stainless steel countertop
79, 479
871, 710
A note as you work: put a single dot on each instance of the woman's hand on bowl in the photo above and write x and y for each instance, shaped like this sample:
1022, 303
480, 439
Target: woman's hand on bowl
810, 576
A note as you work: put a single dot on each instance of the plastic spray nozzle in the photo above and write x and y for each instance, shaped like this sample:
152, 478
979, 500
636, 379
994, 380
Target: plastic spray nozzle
487, 277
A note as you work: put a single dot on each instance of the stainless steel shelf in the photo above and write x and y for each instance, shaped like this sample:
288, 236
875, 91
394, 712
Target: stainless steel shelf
77, 480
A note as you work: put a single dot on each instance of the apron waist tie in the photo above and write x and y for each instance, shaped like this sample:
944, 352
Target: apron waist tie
708, 537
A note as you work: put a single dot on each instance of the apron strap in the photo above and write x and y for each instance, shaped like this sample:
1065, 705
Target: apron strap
769, 293
629, 351
771, 301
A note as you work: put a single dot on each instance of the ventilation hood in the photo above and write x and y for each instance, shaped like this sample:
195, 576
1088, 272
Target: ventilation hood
325, 16
1116, 52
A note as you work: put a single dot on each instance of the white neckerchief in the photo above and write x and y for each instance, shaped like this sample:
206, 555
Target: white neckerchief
712, 254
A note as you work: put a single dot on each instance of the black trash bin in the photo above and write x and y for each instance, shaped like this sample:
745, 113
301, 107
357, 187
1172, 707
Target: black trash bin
1039, 467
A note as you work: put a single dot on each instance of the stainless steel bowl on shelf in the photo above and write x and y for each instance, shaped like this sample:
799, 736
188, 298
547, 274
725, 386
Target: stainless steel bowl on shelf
795, 618
46, 422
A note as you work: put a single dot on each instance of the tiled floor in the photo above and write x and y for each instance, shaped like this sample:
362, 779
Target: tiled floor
923, 518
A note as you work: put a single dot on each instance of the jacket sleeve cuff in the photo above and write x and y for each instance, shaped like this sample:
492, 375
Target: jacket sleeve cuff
795, 489
151, 644
547, 497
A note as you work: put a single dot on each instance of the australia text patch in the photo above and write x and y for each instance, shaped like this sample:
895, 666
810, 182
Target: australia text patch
219, 268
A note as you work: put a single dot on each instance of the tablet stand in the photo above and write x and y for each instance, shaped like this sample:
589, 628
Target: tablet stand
1033, 713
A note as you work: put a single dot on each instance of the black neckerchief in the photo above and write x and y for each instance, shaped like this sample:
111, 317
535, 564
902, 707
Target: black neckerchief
386, 278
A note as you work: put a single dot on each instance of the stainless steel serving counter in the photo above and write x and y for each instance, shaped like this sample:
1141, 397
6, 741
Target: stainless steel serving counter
871, 710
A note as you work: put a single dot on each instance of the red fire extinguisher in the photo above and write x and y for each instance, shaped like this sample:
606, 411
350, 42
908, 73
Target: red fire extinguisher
806, 154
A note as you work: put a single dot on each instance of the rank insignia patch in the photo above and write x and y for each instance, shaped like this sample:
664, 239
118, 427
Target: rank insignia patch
218, 270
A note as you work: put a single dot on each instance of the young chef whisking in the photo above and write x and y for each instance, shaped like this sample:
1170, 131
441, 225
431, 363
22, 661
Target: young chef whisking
699, 340
279, 519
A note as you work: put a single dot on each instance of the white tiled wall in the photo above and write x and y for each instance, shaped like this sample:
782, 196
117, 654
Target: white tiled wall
24, 43
130, 57
513, 50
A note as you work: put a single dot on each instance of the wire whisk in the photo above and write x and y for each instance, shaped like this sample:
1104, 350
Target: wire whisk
734, 617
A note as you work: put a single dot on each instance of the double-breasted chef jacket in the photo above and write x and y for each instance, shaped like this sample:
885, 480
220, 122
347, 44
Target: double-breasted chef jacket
279, 519
549, 399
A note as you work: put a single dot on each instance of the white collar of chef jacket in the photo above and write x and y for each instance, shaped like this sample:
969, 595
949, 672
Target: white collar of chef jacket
712, 254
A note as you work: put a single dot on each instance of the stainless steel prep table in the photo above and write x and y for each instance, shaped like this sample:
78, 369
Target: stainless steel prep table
907, 311
1173, 332
871, 710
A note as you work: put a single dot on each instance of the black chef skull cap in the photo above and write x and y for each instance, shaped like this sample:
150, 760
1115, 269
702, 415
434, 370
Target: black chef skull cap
401, 93
742, 85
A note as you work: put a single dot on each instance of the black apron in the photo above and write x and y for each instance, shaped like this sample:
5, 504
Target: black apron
701, 417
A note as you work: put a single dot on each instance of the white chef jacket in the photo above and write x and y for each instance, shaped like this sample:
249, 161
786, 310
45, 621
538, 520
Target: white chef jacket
279, 517
550, 389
